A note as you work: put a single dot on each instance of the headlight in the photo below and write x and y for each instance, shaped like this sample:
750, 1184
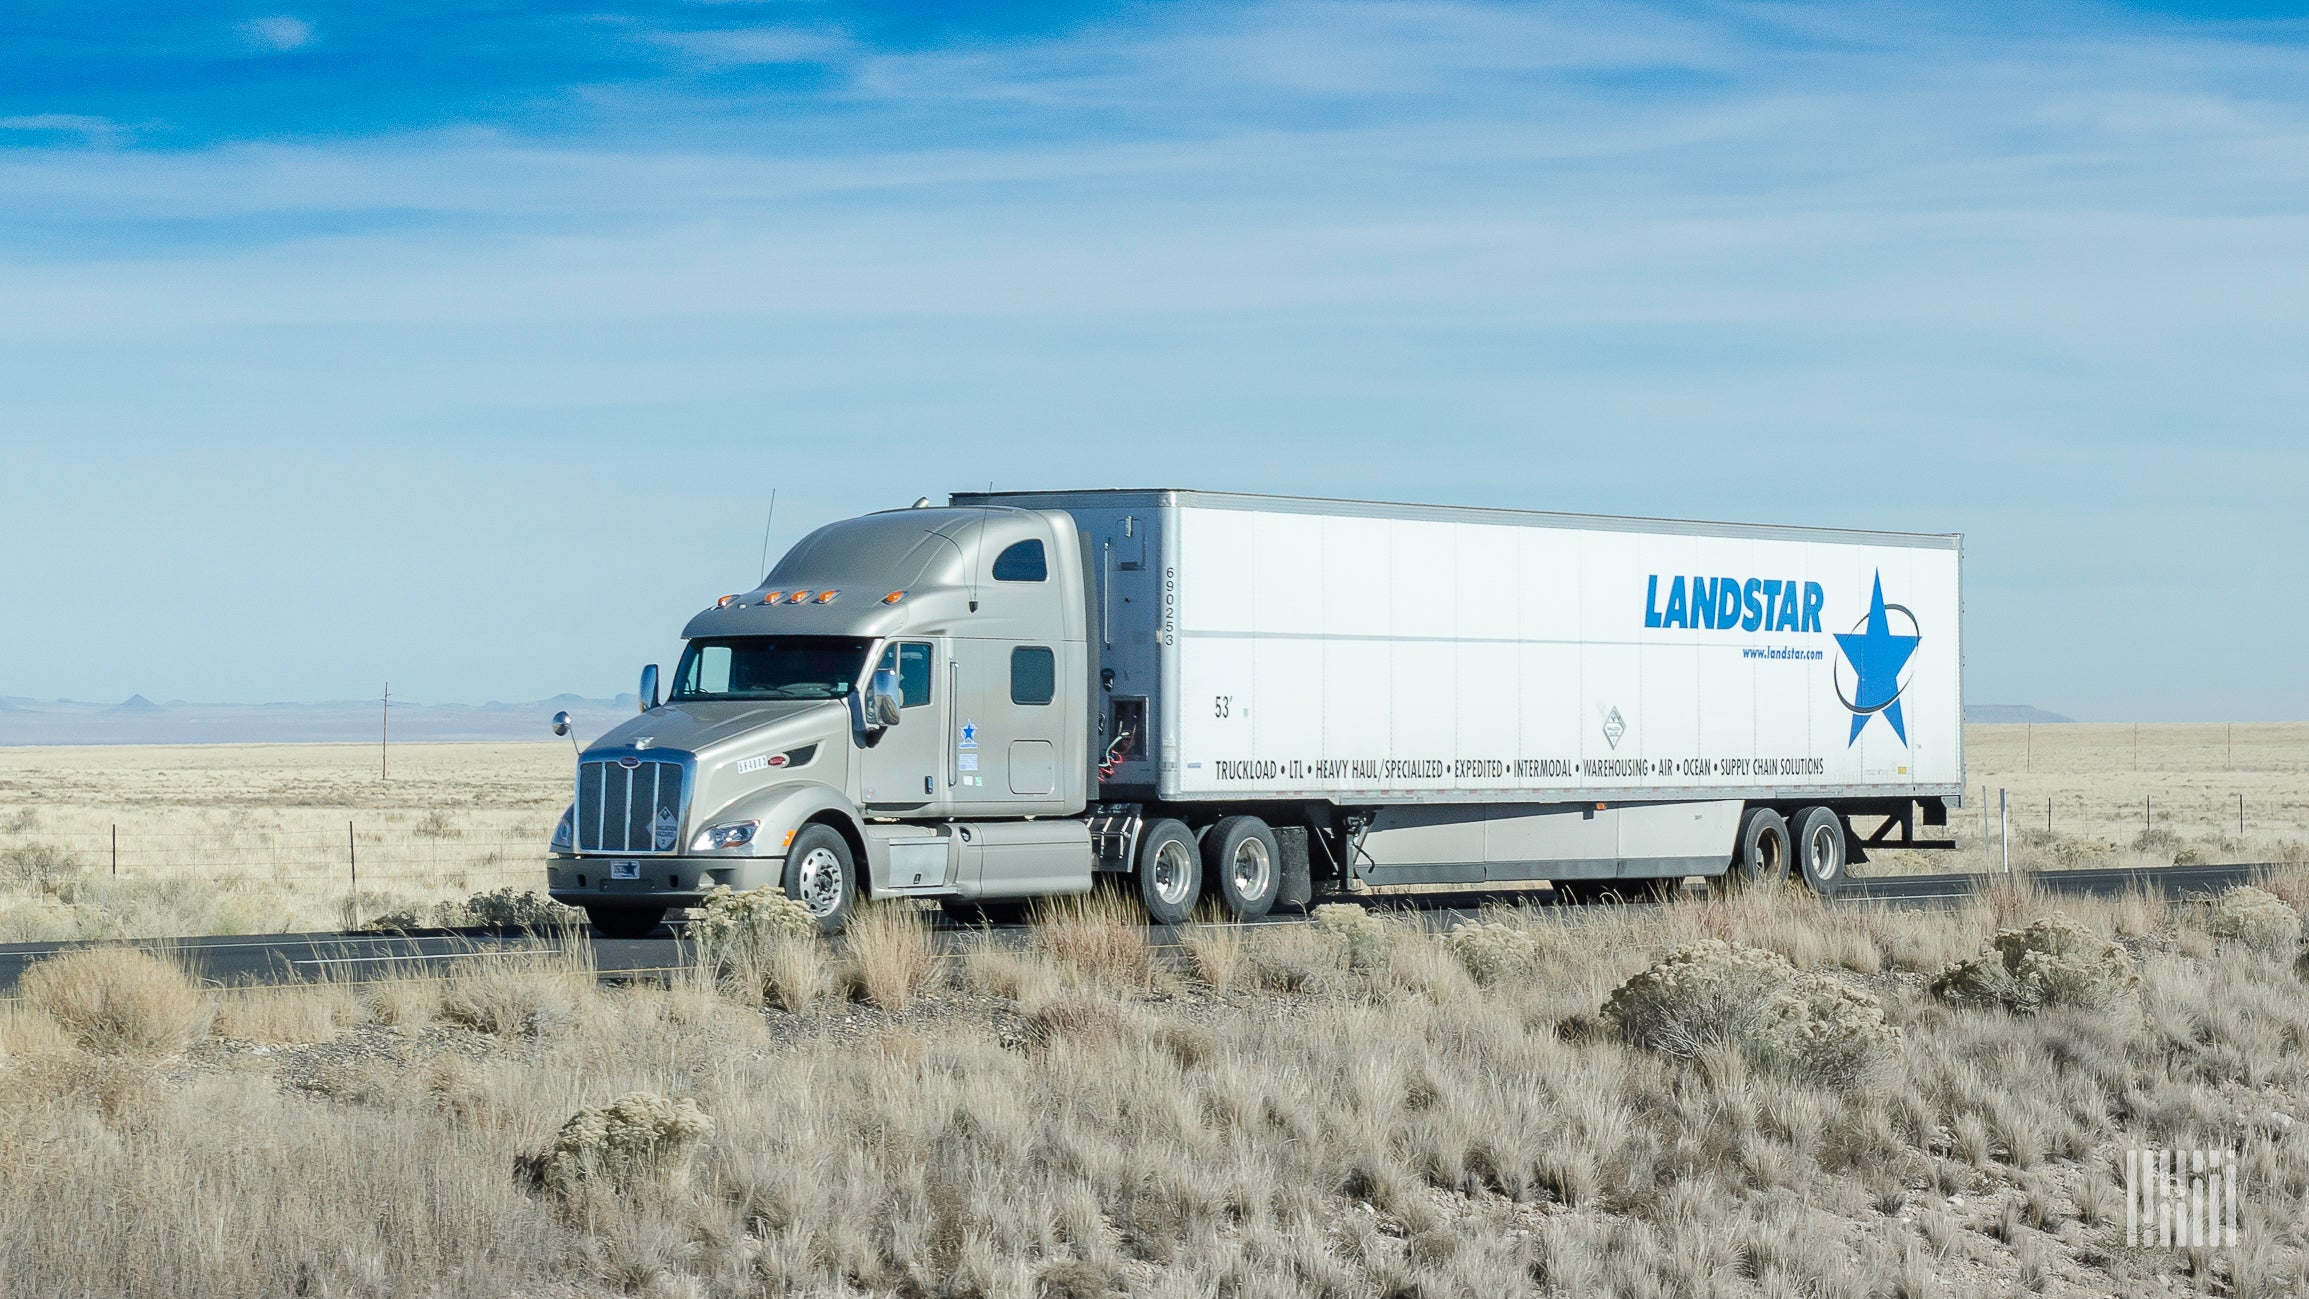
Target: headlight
566, 828
735, 834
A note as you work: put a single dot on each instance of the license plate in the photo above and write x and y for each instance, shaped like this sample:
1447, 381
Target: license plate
625, 870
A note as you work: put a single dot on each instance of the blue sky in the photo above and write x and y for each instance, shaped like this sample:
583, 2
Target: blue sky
463, 345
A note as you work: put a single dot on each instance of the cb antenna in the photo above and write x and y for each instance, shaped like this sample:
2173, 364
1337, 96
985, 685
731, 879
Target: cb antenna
764, 570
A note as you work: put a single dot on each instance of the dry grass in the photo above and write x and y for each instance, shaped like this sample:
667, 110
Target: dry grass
887, 954
1098, 936
118, 1000
1358, 1115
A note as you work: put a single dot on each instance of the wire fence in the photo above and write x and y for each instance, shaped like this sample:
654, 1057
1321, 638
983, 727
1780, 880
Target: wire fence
350, 858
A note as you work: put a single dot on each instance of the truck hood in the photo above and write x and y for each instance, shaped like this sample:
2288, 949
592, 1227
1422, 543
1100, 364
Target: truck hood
698, 728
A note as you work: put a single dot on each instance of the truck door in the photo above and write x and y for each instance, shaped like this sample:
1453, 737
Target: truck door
901, 775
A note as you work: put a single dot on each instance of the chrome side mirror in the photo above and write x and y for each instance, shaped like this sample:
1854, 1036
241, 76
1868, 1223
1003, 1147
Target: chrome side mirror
882, 700
648, 691
561, 724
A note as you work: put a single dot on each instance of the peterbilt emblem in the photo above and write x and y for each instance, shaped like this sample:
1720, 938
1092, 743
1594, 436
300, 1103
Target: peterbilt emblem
629, 763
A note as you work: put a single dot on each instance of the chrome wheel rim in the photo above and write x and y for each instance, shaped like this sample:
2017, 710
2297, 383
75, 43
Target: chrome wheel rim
1250, 869
821, 881
1824, 861
1173, 868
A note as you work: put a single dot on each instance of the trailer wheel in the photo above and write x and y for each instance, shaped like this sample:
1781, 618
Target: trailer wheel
1819, 843
1763, 855
1170, 874
624, 922
821, 875
1244, 865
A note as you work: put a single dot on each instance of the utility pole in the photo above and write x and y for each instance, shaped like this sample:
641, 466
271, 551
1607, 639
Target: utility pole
384, 730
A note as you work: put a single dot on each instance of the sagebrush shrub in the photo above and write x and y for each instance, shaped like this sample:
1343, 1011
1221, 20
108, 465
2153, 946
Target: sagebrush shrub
749, 922
1491, 951
1714, 996
2053, 962
633, 1138
512, 908
1361, 936
2255, 917
118, 1000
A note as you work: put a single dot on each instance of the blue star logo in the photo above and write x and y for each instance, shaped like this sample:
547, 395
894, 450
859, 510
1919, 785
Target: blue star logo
1877, 657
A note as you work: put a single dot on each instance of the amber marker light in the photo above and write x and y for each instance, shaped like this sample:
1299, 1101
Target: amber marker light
827, 597
724, 602
797, 597
894, 597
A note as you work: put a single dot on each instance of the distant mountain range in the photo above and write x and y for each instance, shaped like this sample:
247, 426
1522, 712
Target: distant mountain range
2011, 713
138, 720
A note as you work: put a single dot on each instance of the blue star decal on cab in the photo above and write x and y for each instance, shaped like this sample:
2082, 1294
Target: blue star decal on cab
1877, 657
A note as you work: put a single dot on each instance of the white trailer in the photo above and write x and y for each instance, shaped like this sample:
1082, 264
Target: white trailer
1249, 698
1494, 695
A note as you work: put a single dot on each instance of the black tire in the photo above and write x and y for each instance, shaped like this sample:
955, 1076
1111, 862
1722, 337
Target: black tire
1169, 871
1000, 913
1242, 866
1762, 856
1820, 849
822, 875
625, 922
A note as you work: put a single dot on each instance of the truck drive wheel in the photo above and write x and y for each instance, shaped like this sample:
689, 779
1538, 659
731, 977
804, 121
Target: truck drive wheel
1170, 872
624, 922
1819, 843
1243, 865
1762, 858
821, 875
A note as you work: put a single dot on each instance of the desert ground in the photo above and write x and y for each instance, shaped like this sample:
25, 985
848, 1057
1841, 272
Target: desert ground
1756, 1096
157, 841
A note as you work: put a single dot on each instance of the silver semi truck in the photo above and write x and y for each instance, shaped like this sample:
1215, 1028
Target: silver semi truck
1247, 699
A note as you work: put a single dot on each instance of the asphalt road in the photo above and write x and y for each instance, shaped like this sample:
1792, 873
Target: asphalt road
292, 958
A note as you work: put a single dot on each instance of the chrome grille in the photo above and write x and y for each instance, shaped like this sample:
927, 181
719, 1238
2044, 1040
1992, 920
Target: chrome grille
629, 809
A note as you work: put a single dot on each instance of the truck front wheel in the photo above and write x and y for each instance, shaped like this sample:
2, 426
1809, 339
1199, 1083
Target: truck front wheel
1243, 865
821, 875
1170, 874
624, 922
1819, 842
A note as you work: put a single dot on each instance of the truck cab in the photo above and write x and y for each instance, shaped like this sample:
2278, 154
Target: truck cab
898, 709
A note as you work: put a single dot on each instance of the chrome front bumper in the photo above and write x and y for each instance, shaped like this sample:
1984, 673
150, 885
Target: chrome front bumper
661, 882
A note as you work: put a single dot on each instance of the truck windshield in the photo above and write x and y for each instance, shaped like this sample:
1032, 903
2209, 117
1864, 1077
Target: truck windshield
769, 667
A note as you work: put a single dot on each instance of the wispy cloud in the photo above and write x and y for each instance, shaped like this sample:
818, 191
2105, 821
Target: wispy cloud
281, 32
1927, 265
745, 46
92, 129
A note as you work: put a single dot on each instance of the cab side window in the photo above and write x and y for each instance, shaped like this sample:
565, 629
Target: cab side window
1033, 675
1022, 562
911, 661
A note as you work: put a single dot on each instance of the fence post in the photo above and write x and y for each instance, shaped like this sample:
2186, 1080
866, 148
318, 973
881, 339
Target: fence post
353, 864
116, 836
2240, 816
1987, 860
2004, 828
